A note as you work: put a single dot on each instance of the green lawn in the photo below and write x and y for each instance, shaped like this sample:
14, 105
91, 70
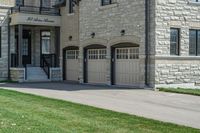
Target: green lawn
195, 92
23, 113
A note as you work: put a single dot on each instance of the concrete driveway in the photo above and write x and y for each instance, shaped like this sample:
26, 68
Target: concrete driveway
168, 107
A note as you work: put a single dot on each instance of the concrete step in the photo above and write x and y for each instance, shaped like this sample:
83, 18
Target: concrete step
36, 74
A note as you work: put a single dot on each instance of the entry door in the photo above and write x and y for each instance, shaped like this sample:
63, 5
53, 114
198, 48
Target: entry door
96, 66
127, 68
26, 47
72, 65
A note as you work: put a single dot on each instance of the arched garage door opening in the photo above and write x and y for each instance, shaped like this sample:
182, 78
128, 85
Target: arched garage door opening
95, 64
71, 64
125, 64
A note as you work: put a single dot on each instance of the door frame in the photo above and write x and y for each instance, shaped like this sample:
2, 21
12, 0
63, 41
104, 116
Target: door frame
27, 34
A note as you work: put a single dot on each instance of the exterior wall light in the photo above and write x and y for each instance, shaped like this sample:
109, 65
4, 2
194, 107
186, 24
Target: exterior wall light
93, 35
70, 38
123, 32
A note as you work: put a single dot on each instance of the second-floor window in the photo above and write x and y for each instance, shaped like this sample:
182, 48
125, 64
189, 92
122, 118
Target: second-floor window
195, 0
46, 3
71, 6
194, 43
174, 41
106, 2
19, 2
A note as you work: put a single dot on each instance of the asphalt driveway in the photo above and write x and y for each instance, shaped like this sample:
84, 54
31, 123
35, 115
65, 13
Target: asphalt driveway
168, 107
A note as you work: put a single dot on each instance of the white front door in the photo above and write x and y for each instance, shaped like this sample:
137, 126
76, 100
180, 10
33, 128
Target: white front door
127, 68
72, 65
96, 66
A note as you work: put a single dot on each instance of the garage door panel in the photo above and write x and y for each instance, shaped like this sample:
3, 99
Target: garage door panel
127, 66
97, 66
72, 65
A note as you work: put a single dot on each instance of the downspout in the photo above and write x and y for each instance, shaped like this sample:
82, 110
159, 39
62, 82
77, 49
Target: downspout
9, 21
146, 41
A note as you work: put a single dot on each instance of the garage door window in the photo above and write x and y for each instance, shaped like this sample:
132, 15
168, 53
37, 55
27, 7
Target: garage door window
95, 54
72, 54
127, 53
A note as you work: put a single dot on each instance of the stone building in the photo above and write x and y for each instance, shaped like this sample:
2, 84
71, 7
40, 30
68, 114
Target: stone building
112, 42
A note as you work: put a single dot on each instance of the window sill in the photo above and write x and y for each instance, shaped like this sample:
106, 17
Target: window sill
70, 14
173, 57
108, 6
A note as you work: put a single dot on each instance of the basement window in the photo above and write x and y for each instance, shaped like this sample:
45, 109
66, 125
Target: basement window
106, 2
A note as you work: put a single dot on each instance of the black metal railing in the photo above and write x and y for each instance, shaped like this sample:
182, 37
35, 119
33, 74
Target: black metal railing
35, 10
47, 62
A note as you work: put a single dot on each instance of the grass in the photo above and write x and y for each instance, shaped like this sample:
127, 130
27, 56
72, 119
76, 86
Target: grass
24, 113
195, 92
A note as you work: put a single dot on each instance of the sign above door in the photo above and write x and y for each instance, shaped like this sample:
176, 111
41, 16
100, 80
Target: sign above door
34, 19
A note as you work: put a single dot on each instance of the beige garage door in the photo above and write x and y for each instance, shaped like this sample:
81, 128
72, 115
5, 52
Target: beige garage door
72, 65
127, 66
96, 65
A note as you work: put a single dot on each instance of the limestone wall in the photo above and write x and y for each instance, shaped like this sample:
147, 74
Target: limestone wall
176, 14
107, 22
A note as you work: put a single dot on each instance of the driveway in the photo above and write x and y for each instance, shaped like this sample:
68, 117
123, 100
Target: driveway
168, 107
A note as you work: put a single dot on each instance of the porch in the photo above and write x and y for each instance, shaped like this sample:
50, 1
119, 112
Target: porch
35, 53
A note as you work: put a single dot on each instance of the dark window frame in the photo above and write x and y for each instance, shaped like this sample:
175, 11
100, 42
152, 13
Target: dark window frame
197, 42
177, 43
104, 2
19, 2
71, 6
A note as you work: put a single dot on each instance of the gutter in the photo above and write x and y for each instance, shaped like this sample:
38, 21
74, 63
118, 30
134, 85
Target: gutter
146, 41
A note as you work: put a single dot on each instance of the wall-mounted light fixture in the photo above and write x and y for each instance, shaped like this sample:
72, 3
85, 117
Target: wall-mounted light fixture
123, 32
93, 34
70, 38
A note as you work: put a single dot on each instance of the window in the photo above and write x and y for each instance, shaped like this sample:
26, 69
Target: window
106, 2
46, 3
194, 45
46, 37
195, 0
95, 54
72, 54
127, 53
174, 41
71, 6
0, 42
19, 2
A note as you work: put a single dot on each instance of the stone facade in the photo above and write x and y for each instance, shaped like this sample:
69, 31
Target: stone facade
4, 51
182, 69
107, 22
56, 74
17, 74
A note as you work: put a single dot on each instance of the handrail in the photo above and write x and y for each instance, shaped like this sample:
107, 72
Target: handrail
26, 71
46, 67
48, 61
